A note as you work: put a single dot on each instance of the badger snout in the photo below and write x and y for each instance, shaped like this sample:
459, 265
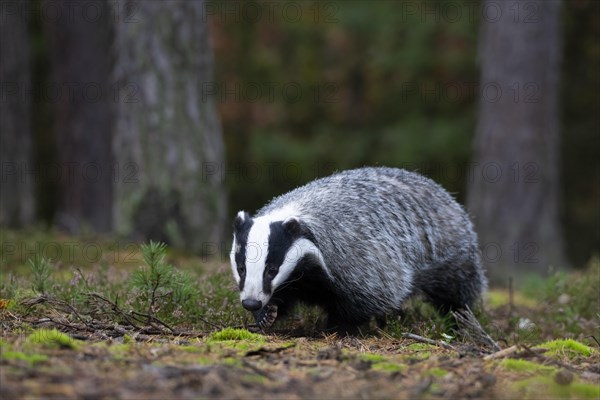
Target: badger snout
252, 305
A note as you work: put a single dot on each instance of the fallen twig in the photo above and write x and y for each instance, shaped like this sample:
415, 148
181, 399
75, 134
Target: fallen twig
115, 308
54, 302
428, 341
502, 353
152, 318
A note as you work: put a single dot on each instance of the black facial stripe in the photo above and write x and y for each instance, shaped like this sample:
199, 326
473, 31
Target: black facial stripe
280, 242
241, 239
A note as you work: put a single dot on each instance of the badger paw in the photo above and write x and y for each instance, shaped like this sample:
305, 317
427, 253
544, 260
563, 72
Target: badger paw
266, 316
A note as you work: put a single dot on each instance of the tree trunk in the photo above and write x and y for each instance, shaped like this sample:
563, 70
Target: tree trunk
17, 170
79, 45
167, 141
514, 188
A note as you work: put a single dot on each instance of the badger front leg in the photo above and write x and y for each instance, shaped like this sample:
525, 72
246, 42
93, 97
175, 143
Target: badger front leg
266, 316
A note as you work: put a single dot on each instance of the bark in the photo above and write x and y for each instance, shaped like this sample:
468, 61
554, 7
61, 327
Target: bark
79, 46
514, 188
17, 170
167, 141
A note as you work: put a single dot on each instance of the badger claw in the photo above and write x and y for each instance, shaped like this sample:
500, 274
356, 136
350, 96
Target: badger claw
266, 317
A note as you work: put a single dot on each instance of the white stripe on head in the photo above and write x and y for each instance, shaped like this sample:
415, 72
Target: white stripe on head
234, 249
257, 247
256, 254
299, 249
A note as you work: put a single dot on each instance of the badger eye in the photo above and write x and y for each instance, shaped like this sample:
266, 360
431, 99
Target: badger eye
272, 270
241, 269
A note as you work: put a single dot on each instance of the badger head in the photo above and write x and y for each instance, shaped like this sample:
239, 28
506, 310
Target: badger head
265, 253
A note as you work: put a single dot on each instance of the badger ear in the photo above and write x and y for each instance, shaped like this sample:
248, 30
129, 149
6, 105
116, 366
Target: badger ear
240, 219
293, 226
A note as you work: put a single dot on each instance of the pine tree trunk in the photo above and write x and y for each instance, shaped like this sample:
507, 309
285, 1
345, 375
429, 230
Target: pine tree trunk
514, 188
79, 46
17, 170
167, 139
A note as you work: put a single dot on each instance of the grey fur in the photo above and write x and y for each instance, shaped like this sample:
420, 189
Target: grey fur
386, 234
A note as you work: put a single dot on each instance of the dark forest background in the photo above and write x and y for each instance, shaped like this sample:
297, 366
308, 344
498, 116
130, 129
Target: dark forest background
212, 107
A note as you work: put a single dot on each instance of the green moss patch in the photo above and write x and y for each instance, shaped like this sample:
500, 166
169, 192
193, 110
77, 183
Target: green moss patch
389, 367
51, 338
545, 387
498, 298
421, 347
515, 365
120, 351
31, 359
234, 334
374, 358
436, 372
566, 348
381, 363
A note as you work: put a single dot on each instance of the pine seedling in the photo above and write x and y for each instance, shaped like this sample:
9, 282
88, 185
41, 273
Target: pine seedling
162, 288
41, 270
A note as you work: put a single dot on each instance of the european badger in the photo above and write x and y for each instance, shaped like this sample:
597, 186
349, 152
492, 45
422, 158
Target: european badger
358, 244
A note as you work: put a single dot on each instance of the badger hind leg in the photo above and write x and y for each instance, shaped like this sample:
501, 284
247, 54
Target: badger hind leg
342, 325
451, 285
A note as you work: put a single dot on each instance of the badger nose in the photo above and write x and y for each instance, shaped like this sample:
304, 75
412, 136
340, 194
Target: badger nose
251, 304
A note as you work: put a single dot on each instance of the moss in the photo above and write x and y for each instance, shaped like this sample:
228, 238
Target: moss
545, 387
7, 353
566, 347
419, 351
234, 334
189, 349
498, 298
381, 363
255, 378
239, 345
232, 361
437, 372
375, 358
119, 350
128, 339
31, 359
389, 367
420, 347
51, 338
515, 365
204, 361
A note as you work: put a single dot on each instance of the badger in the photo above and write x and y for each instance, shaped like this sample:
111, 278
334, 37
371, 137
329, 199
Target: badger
358, 244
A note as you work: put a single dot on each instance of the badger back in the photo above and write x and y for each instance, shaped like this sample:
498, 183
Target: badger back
375, 227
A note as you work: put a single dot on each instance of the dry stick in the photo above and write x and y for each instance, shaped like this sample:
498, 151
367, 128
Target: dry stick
428, 341
116, 309
153, 318
472, 328
54, 302
384, 333
502, 353
210, 323
595, 340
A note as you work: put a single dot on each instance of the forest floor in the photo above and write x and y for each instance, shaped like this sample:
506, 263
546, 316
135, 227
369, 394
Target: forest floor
81, 329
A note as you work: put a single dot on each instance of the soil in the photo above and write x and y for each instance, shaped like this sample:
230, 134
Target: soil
104, 364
